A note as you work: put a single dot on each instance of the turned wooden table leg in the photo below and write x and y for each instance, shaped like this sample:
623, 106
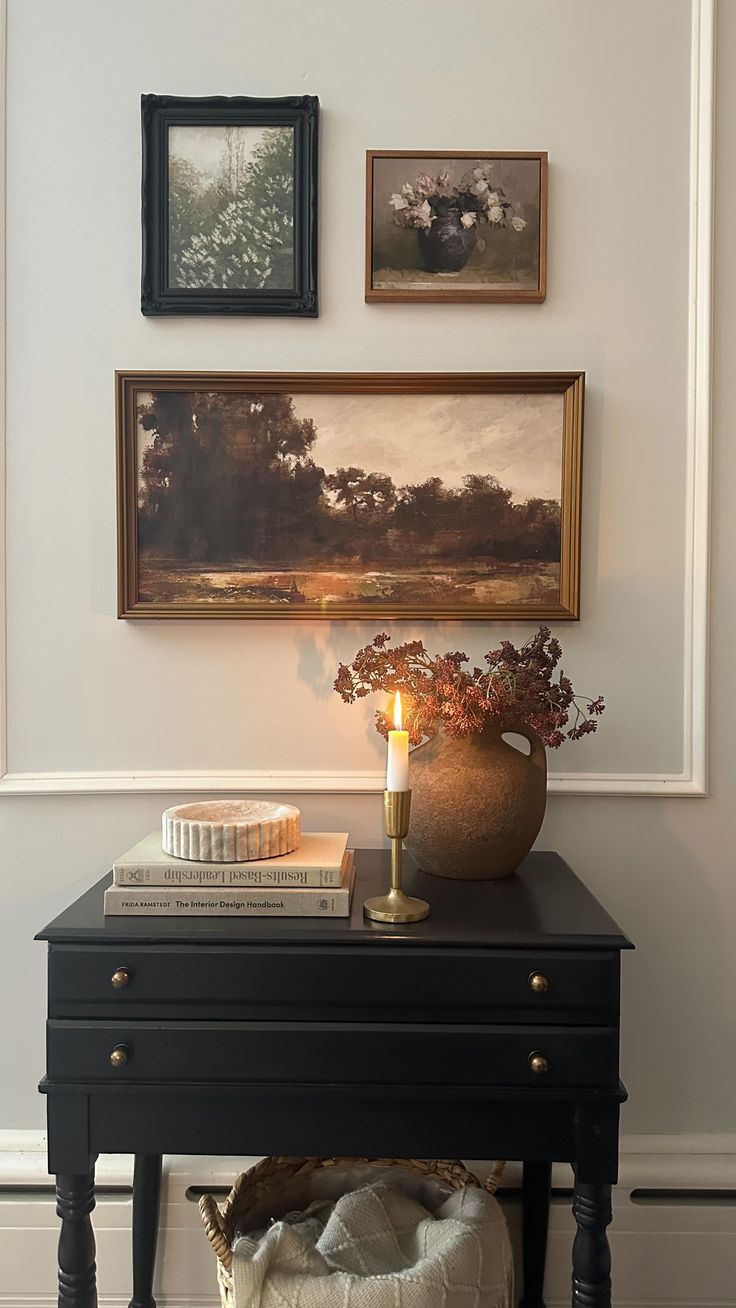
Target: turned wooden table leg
535, 1221
591, 1255
146, 1196
75, 1199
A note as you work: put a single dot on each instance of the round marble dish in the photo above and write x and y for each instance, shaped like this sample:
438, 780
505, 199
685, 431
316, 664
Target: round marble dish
230, 830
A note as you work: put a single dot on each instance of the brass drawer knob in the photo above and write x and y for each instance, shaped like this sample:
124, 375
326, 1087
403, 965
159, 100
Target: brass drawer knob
119, 1056
538, 982
538, 1063
120, 978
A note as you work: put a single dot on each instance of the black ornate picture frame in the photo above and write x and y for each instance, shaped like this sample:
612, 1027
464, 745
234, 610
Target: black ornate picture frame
229, 205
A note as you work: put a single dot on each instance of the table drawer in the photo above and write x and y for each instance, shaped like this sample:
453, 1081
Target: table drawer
338, 1053
383, 983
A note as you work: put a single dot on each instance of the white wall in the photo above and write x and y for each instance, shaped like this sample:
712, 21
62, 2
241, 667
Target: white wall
606, 90
614, 116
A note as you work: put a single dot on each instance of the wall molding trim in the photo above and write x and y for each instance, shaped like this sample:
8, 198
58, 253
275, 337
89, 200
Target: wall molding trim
313, 782
3, 482
684, 1161
676, 1254
692, 780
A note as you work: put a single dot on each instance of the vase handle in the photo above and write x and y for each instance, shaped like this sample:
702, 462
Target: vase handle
537, 752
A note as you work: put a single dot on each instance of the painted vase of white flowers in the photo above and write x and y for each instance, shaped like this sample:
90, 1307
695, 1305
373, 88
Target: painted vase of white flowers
446, 218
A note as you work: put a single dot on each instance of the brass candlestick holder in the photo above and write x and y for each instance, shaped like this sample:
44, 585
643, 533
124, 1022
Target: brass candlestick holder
396, 906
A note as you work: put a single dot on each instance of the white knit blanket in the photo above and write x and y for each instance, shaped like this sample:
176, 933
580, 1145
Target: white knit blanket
380, 1248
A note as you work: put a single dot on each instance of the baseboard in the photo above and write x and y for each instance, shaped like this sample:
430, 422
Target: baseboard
116, 1301
668, 1251
213, 1301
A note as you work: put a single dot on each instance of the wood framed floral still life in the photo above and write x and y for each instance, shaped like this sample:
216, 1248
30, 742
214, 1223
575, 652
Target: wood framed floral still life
229, 205
458, 227
349, 495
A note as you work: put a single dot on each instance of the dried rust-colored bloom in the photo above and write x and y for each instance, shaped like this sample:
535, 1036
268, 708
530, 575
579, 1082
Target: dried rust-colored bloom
438, 692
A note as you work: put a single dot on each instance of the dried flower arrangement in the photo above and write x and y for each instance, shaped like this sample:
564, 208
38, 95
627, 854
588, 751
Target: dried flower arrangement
475, 200
517, 686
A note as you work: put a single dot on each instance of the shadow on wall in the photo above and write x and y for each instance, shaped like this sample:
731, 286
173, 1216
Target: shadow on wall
322, 648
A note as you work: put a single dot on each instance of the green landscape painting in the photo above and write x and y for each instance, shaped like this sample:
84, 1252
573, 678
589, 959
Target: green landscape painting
348, 503
231, 208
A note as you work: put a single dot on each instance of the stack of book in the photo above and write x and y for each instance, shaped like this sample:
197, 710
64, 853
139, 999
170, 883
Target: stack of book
315, 880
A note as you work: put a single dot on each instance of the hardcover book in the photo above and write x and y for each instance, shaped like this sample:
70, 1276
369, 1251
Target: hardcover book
230, 901
318, 861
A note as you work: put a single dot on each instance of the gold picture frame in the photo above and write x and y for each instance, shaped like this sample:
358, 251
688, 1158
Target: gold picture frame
240, 495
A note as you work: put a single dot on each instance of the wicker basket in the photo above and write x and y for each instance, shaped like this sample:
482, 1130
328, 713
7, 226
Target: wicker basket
250, 1188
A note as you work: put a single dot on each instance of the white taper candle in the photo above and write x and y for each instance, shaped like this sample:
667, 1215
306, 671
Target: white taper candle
397, 768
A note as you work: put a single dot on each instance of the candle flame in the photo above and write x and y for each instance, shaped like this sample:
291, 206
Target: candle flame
397, 711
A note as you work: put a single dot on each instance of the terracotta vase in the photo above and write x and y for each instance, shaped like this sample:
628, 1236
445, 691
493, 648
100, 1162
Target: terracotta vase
477, 803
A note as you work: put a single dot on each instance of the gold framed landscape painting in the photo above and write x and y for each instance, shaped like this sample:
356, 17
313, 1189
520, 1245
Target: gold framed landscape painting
456, 226
349, 495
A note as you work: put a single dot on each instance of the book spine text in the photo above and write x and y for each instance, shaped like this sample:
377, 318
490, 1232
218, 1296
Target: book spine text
142, 874
189, 902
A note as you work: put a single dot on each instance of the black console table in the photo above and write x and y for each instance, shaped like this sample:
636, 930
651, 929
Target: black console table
488, 1030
